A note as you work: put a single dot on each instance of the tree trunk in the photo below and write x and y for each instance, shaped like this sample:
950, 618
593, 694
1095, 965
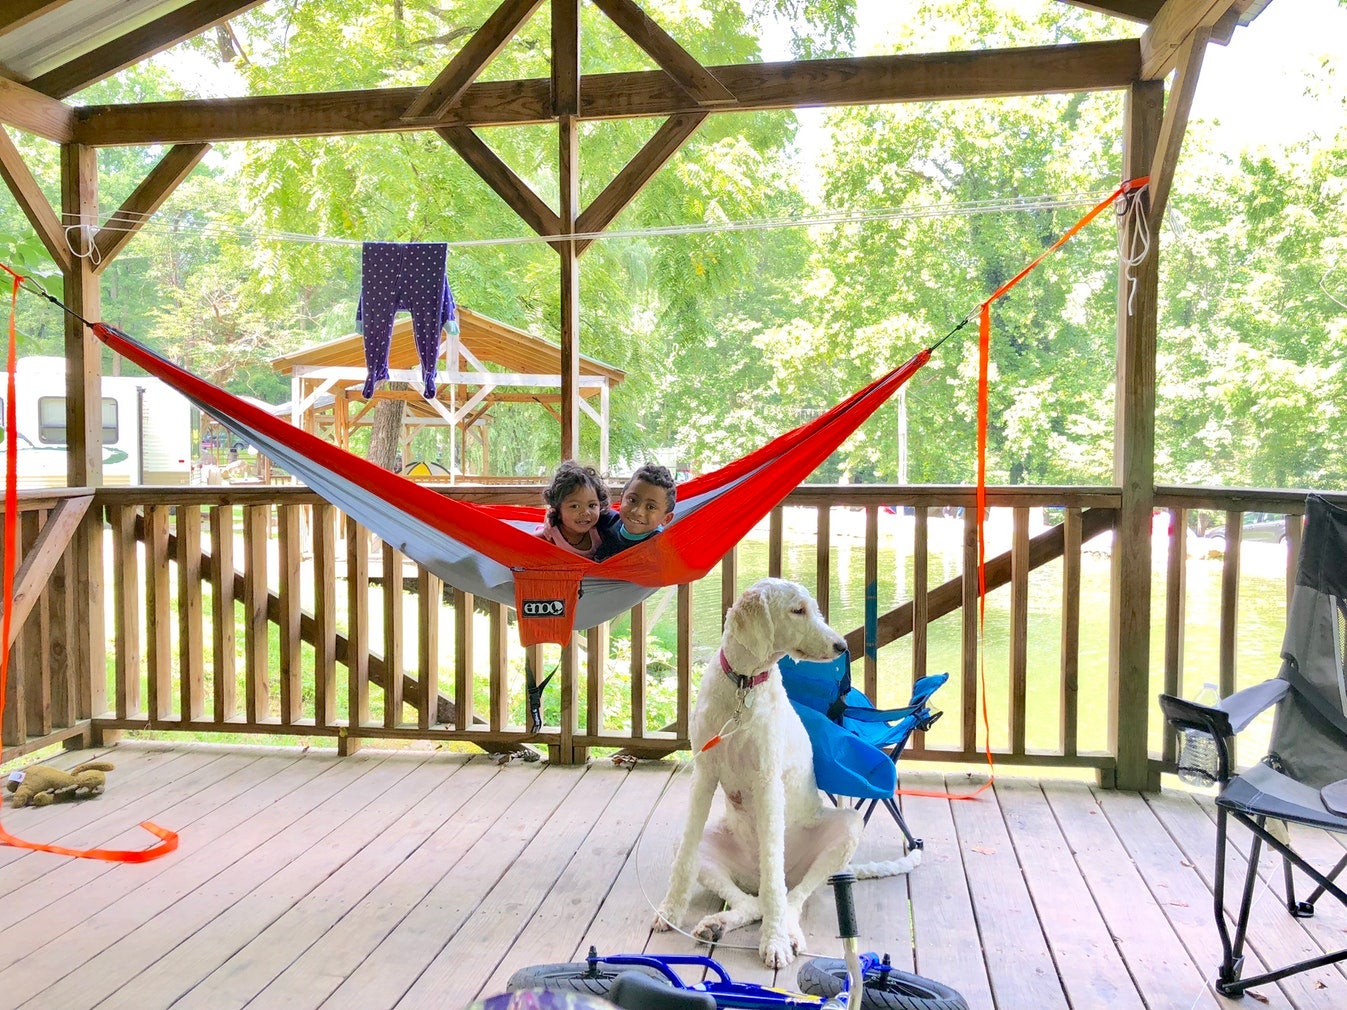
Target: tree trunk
385, 443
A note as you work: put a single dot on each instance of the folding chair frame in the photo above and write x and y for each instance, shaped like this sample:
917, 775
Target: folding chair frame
1229, 981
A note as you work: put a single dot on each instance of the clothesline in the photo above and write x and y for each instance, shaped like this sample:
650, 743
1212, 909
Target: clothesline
123, 221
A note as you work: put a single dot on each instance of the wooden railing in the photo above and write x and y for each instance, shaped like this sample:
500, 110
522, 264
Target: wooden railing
325, 644
47, 689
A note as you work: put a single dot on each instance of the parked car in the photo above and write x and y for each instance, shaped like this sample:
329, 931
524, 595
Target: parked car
1256, 527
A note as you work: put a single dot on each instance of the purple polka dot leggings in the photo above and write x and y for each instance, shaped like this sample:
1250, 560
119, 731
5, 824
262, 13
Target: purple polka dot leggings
407, 276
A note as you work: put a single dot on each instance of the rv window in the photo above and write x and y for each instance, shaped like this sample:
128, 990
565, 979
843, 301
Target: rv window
51, 420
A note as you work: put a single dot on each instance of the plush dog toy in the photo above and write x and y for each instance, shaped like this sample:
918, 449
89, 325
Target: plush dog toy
42, 784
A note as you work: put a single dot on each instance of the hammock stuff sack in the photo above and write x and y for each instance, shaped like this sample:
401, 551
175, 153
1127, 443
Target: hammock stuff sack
490, 550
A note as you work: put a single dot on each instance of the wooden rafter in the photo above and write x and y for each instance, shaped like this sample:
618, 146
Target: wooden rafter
33, 202
498, 175
17, 13
1175, 123
666, 142
161, 33
40, 561
148, 197
484, 46
26, 109
1176, 22
1142, 11
864, 80
687, 73
566, 58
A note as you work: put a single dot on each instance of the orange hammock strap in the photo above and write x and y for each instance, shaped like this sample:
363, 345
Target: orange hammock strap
168, 839
1125, 192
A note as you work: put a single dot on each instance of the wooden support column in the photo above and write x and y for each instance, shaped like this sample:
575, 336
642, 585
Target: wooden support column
84, 431
1130, 698
566, 104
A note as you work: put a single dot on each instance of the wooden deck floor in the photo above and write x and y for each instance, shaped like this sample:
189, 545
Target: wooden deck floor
399, 880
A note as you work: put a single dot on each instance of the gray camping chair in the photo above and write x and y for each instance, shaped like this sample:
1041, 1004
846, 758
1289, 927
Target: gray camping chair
1303, 779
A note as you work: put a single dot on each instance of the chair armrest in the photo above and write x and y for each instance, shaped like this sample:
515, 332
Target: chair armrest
1243, 707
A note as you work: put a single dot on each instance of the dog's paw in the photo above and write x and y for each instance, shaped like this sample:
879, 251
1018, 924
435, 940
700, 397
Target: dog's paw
663, 922
777, 949
710, 929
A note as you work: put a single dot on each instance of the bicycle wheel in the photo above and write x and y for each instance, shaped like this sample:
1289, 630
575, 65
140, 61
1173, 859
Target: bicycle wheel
576, 976
883, 990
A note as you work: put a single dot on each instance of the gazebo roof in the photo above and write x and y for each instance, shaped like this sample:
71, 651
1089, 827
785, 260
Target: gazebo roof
488, 340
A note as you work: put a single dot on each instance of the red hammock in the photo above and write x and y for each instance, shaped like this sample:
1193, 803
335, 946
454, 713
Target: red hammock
490, 550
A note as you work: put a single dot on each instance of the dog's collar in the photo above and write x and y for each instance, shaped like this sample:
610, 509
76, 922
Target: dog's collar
740, 681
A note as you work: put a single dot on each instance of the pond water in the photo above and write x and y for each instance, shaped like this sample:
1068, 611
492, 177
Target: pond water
1262, 608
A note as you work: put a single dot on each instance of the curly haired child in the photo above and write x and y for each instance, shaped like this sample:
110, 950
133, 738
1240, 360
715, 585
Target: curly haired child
578, 517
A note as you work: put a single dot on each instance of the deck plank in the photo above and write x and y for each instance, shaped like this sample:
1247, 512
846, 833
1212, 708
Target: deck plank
34, 882
944, 921
1019, 962
330, 866
407, 879
134, 777
208, 847
1179, 891
1274, 937
524, 801
1082, 945
460, 970
1163, 972
574, 901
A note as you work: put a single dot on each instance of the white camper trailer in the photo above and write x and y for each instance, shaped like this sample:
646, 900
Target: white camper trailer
148, 427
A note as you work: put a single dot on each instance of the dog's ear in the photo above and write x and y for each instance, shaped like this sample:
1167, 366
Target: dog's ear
750, 623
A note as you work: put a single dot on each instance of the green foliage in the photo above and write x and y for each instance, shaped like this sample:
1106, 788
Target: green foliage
731, 323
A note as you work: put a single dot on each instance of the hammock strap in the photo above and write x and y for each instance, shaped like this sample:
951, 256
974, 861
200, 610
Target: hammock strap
1126, 193
168, 839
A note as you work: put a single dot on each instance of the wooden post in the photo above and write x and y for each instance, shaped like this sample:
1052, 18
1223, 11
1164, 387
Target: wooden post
1134, 471
84, 431
566, 106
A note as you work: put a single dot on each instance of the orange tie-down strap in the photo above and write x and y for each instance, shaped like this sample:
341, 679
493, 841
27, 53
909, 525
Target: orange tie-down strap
1125, 193
168, 839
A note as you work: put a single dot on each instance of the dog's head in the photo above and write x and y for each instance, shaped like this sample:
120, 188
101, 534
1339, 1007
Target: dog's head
774, 618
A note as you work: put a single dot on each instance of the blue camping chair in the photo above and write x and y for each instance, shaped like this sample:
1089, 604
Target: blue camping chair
857, 746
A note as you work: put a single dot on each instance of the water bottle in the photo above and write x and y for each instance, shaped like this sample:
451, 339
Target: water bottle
1198, 762
1198, 758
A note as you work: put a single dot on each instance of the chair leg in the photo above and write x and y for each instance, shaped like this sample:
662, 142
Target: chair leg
1305, 908
1231, 968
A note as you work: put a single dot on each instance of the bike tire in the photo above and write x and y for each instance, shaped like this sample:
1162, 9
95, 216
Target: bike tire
892, 990
576, 976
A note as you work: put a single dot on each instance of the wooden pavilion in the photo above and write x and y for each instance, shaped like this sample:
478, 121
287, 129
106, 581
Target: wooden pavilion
486, 365
51, 49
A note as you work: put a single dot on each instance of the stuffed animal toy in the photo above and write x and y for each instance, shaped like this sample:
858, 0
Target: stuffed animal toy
42, 784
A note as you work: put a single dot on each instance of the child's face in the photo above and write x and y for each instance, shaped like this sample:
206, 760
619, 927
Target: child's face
644, 507
579, 510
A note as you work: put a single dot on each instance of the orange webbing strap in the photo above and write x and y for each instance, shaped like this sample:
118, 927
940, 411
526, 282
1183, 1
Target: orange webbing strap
1126, 190
169, 839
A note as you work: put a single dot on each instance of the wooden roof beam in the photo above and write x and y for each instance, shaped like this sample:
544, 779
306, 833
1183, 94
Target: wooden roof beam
26, 109
33, 202
687, 73
1170, 30
161, 33
1142, 11
866, 80
666, 142
436, 98
148, 197
18, 13
1175, 124
498, 175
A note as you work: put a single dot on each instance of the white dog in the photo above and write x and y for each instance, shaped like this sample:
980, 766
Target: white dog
779, 840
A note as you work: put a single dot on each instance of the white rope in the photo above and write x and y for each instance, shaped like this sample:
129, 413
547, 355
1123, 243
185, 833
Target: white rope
123, 221
1134, 237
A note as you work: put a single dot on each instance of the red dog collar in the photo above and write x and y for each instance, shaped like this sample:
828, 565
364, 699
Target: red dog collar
740, 681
